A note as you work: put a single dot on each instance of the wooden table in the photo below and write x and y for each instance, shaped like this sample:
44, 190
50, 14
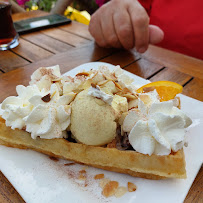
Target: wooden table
71, 45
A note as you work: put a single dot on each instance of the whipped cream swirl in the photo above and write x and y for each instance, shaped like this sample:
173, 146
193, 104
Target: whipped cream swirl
50, 115
16, 108
44, 77
157, 128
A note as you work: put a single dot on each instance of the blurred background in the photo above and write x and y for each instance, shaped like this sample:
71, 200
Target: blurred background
79, 10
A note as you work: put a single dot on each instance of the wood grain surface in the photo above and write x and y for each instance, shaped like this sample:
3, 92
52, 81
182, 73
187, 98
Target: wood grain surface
174, 60
77, 29
71, 45
46, 42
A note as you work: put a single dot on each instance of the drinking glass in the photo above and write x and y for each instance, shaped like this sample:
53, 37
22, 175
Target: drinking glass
8, 34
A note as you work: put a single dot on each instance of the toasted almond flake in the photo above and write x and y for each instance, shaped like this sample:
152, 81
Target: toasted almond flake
120, 191
83, 73
110, 188
82, 171
94, 74
126, 90
129, 96
102, 82
53, 94
131, 187
148, 89
56, 79
107, 77
99, 176
113, 76
77, 91
103, 182
87, 84
117, 85
82, 177
179, 103
135, 94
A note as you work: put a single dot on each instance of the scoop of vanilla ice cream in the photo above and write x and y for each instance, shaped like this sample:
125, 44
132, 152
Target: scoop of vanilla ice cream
92, 122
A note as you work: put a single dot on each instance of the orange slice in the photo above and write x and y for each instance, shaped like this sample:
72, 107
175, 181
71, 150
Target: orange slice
166, 89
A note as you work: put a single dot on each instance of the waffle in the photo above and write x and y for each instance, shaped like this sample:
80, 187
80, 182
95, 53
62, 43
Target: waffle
112, 159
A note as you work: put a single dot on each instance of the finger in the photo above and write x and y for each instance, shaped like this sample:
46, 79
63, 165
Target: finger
156, 35
140, 23
123, 28
108, 29
96, 30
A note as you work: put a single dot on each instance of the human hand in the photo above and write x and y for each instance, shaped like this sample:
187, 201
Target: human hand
124, 24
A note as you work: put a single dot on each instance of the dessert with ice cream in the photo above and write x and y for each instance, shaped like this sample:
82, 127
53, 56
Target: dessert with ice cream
99, 118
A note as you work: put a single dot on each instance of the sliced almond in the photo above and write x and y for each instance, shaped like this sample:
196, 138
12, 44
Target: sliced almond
129, 96
131, 187
56, 79
110, 188
94, 74
82, 175
120, 191
107, 77
148, 89
101, 83
82, 171
126, 90
87, 84
99, 176
117, 85
133, 104
103, 182
83, 73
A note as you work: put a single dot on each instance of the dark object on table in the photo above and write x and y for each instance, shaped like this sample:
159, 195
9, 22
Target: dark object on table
38, 23
8, 35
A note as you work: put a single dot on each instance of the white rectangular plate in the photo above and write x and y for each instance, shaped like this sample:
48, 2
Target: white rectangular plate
39, 179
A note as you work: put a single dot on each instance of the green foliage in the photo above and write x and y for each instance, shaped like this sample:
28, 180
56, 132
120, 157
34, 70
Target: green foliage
89, 5
45, 5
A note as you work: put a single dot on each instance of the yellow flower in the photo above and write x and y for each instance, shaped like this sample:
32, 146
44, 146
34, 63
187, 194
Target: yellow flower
73, 14
34, 7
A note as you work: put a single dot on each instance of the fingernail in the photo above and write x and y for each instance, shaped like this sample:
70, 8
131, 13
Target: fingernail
142, 49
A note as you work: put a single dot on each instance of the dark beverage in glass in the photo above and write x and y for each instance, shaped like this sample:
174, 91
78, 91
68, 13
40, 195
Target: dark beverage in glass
8, 34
